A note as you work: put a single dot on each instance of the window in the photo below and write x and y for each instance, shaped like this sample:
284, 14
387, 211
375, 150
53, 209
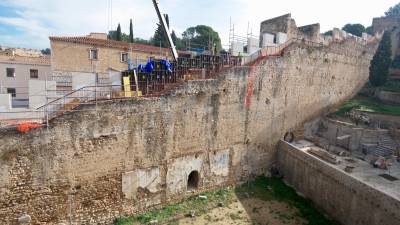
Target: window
34, 74
10, 72
93, 54
12, 91
124, 57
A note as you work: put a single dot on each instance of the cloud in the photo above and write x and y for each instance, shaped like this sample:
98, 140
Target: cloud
35, 20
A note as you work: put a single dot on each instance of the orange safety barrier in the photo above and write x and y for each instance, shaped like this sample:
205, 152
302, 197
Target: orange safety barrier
26, 127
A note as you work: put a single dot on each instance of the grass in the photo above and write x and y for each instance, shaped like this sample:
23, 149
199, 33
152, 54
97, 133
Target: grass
269, 189
167, 213
266, 189
368, 104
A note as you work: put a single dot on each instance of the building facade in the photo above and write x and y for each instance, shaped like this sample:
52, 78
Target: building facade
93, 55
16, 71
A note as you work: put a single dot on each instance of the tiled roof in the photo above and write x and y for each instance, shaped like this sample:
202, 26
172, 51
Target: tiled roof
42, 61
109, 43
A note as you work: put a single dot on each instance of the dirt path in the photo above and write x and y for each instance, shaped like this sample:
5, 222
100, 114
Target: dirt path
248, 212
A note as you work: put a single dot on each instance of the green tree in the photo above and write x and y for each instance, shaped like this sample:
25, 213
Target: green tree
119, 33
393, 11
379, 68
329, 33
131, 32
160, 37
46, 51
355, 29
202, 36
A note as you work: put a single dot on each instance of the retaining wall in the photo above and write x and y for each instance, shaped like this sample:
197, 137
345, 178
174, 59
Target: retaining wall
118, 157
345, 198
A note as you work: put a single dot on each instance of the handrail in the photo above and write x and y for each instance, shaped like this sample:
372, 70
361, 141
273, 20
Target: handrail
75, 91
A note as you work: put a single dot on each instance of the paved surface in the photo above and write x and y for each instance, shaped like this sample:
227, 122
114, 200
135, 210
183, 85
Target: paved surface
364, 171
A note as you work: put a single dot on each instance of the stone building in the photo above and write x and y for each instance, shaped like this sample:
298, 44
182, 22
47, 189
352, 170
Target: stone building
391, 23
283, 28
94, 55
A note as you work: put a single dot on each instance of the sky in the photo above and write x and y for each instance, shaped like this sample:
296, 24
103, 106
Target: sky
29, 23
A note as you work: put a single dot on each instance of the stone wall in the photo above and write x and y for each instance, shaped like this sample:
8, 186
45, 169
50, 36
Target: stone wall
347, 199
119, 157
286, 24
385, 23
389, 97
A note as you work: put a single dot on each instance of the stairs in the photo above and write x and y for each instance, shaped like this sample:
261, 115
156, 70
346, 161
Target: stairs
386, 146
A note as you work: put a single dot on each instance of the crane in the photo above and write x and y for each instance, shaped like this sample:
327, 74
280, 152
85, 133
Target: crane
166, 29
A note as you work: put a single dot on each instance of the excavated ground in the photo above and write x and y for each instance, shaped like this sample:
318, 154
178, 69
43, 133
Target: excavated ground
264, 201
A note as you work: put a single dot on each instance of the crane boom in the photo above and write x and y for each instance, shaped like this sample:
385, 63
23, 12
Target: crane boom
166, 30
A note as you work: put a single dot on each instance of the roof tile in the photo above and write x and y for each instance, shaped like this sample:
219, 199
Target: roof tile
109, 43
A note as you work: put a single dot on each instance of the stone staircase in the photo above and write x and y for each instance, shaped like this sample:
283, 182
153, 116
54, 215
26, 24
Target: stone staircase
386, 146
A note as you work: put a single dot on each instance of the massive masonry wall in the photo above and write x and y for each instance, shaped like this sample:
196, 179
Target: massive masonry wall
347, 199
120, 157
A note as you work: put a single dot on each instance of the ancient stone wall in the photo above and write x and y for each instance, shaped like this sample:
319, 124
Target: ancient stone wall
385, 23
119, 157
345, 198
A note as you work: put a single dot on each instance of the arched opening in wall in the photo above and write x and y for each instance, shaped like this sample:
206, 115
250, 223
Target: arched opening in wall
289, 137
193, 180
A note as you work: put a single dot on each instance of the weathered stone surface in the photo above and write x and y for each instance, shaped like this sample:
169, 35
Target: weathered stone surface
347, 198
95, 165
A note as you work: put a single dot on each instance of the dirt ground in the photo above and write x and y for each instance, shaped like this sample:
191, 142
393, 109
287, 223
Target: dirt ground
250, 211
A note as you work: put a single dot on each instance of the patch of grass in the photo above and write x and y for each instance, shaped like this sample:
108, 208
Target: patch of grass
283, 193
368, 104
166, 213
263, 188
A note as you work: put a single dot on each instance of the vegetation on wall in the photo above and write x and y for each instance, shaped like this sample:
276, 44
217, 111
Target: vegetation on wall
381, 62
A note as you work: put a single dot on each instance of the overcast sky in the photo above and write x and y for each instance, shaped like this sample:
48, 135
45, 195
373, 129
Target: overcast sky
28, 23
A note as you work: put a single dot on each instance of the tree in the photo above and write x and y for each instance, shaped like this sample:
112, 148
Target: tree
379, 68
119, 33
329, 33
131, 32
393, 11
160, 37
46, 51
202, 36
355, 29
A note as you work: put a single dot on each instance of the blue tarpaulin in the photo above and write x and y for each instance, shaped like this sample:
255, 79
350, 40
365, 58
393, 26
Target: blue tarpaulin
149, 66
167, 65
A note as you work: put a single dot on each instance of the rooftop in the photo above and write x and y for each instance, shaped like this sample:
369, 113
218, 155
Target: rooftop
41, 61
109, 43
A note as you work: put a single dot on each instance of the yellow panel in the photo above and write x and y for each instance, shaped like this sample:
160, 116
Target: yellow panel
127, 87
